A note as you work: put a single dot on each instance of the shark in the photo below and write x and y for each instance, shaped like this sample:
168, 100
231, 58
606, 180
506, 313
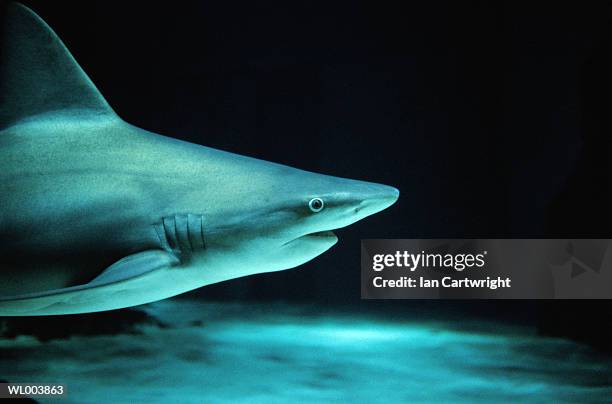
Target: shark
97, 214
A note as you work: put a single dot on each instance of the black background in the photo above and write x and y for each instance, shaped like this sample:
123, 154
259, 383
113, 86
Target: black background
491, 118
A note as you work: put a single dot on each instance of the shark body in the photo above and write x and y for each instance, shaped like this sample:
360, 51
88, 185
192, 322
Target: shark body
97, 214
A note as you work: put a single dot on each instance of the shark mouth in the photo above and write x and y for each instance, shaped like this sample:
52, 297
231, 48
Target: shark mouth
322, 236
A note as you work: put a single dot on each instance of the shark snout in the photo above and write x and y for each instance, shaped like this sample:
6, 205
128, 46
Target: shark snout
374, 198
358, 200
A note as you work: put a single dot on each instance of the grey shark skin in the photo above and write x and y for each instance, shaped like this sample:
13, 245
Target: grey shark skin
97, 214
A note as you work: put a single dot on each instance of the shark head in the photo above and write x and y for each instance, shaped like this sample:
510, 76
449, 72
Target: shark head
273, 217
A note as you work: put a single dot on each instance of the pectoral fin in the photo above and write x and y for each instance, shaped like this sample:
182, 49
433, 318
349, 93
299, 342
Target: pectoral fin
128, 282
133, 266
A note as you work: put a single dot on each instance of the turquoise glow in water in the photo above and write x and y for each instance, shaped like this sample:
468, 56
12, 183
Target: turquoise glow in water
240, 353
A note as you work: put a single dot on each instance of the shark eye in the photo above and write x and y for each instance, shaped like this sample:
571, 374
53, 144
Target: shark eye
316, 204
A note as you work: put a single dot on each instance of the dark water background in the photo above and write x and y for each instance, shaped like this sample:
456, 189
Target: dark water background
493, 119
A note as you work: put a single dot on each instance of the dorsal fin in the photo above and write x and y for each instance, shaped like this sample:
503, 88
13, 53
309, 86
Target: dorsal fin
38, 74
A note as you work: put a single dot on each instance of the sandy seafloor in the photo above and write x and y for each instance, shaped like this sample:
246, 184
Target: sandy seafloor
215, 353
